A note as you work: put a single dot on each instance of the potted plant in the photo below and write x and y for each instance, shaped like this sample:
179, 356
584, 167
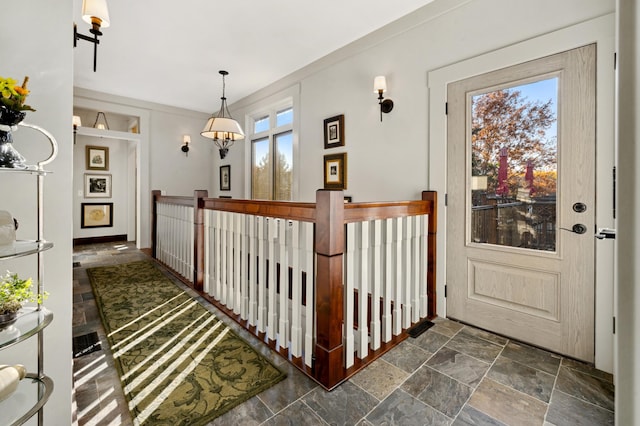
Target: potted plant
12, 112
14, 292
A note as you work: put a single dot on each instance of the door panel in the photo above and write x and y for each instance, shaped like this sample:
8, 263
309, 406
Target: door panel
516, 169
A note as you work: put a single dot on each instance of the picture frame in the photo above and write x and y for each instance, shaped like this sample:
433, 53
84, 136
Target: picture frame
96, 215
97, 157
97, 186
225, 178
334, 131
335, 171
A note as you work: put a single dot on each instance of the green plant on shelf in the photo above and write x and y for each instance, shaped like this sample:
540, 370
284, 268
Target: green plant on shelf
15, 291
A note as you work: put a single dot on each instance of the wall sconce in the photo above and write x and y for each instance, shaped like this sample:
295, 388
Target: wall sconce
379, 87
102, 125
76, 123
186, 140
222, 128
94, 12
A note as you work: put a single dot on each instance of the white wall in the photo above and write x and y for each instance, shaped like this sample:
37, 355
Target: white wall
36, 40
388, 160
120, 185
160, 162
399, 157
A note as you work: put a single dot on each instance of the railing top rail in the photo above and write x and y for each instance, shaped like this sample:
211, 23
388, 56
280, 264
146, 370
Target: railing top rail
360, 212
304, 212
180, 200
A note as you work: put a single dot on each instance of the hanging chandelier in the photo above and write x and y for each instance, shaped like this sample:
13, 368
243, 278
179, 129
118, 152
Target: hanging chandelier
222, 128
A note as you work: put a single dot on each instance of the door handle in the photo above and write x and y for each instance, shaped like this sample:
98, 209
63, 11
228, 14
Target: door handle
578, 228
606, 233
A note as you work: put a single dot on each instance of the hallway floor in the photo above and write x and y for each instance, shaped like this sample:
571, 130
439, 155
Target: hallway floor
452, 374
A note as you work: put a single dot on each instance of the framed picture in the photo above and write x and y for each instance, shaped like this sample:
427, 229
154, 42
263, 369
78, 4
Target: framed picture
97, 186
335, 171
225, 178
97, 157
334, 131
96, 215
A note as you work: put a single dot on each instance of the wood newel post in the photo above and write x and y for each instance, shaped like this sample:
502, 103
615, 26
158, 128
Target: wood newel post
154, 221
198, 238
329, 247
431, 251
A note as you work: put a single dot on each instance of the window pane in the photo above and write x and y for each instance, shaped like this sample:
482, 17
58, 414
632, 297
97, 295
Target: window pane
260, 182
514, 163
284, 117
283, 173
261, 124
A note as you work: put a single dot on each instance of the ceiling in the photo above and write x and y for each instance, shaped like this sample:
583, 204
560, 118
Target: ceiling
170, 52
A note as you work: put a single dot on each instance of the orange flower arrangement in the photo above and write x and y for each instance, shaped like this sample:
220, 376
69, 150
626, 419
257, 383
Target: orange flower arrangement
13, 96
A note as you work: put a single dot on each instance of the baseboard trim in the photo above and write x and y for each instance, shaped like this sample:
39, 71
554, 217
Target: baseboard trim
99, 240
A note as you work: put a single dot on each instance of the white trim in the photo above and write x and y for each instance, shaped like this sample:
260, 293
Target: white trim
272, 104
598, 30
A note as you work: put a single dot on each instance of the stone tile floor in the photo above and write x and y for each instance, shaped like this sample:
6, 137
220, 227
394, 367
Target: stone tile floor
452, 374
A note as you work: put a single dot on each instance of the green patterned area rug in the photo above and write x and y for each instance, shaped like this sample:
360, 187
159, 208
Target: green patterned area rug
178, 364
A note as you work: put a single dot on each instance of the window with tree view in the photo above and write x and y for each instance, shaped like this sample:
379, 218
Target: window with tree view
514, 169
272, 156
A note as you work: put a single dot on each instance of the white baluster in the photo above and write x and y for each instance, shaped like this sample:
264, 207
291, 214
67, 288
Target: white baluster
415, 282
406, 273
387, 316
252, 278
262, 275
272, 313
397, 284
309, 331
363, 299
283, 323
296, 285
376, 279
350, 270
243, 284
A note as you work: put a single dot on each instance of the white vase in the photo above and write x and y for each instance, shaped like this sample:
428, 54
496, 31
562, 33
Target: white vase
10, 375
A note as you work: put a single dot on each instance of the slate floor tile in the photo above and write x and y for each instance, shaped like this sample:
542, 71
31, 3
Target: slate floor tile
508, 405
461, 367
586, 387
533, 357
380, 378
520, 377
345, 405
400, 408
567, 410
475, 347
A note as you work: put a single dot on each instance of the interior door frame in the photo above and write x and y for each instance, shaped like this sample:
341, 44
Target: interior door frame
600, 31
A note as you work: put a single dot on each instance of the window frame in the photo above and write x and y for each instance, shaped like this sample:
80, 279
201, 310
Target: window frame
271, 107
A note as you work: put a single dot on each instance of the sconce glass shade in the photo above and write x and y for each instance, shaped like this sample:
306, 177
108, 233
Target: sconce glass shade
96, 9
380, 84
186, 139
76, 121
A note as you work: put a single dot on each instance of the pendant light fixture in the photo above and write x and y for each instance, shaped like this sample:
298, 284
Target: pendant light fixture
222, 128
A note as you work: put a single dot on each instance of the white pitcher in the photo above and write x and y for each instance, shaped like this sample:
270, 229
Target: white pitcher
10, 375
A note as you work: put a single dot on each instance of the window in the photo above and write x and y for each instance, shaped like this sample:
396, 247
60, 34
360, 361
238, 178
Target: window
272, 155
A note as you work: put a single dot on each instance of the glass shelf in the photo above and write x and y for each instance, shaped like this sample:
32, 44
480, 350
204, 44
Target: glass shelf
23, 248
31, 395
29, 322
30, 169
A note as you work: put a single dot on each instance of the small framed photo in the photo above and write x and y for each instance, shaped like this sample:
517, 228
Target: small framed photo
96, 215
334, 131
335, 171
97, 157
97, 186
225, 178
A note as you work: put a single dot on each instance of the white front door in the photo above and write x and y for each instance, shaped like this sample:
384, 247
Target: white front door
521, 202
